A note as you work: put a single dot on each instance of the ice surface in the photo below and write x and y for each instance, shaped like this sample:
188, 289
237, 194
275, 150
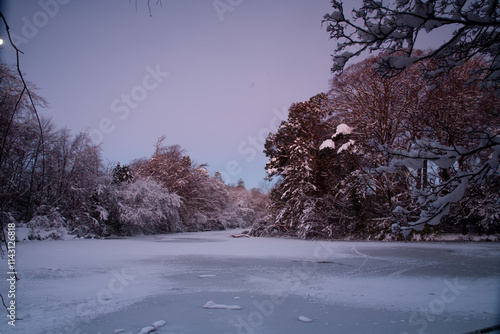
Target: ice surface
92, 286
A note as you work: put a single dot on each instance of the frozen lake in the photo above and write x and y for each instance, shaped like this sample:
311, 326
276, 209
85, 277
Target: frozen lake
210, 282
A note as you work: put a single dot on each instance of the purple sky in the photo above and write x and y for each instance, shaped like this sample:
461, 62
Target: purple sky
213, 81
214, 76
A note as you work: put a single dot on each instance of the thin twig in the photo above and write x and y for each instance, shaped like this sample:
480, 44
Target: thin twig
26, 89
3, 302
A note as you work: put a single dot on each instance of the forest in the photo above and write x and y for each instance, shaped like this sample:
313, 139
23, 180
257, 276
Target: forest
55, 183
372, 152
376, 152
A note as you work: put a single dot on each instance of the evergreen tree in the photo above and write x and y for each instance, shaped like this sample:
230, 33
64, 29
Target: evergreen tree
294, 157
122, 174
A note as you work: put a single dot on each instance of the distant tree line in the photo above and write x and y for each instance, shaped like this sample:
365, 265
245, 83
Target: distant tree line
54, 182
404, 144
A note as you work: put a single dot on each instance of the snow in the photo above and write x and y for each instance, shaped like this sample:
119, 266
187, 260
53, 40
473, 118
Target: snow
147, 329
159, 323
104, 286
343, 129
345, 146
212, 305
305, 319
337, 16
342, 59
327, 144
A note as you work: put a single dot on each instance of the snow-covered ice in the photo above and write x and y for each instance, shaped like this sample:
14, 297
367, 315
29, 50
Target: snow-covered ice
99, 286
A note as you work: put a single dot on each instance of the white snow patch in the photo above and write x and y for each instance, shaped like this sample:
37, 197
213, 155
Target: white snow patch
211, 305
345, 146
305, 319
206, 276
342, 129
159, 323
147, 329
327, 144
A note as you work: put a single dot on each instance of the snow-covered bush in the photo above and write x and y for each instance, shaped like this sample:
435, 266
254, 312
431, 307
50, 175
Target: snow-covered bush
145, 206
47, 223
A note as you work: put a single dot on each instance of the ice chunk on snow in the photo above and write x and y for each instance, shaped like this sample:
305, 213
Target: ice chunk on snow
147, 329
305, 319
159, 323
211, 305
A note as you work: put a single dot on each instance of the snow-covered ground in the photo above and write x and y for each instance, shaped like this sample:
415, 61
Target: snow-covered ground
212, 283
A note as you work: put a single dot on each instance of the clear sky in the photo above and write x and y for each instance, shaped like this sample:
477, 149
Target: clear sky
212, 76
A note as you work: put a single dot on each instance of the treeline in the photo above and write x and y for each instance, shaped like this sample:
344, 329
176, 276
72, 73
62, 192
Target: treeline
377, 156
54, 182
383, 156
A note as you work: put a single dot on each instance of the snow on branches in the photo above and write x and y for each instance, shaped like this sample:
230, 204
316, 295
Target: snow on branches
395, 29
457, 170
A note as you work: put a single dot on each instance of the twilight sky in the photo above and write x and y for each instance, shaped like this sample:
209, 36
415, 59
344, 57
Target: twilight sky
215, 81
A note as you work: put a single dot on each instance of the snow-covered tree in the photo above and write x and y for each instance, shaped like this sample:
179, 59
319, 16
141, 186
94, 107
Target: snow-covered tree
145, 206
122, 174
21, 145
395, 28
294, 157
206, 201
